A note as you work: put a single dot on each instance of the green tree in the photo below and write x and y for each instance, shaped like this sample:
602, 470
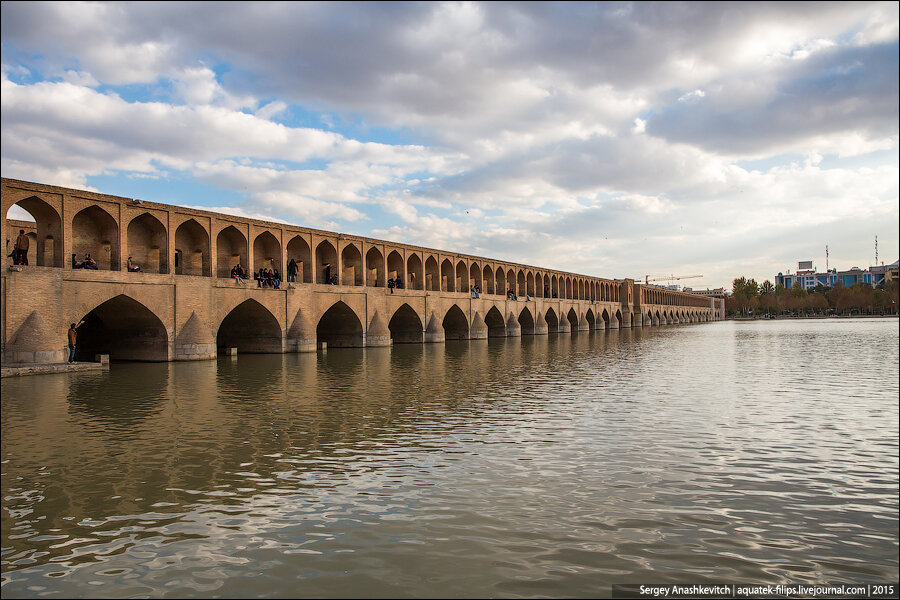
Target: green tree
766, 288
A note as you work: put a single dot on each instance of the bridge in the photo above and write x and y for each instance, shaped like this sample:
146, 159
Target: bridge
184, 304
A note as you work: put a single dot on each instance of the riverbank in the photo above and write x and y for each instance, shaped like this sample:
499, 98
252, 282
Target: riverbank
819, 317
21, 370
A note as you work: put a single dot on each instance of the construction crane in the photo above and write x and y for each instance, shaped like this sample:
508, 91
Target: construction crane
670, 278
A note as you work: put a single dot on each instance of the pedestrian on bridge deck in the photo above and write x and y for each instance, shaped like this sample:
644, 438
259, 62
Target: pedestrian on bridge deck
73, 339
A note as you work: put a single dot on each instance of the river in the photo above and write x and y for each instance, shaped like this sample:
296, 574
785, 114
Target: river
750, 452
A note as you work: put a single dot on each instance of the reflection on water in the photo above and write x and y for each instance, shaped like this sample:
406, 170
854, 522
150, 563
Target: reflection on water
546, 466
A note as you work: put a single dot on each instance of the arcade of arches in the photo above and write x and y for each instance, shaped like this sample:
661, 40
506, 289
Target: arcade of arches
346, 291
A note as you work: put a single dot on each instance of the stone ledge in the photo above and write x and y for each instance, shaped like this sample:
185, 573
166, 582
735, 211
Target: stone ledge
19, 370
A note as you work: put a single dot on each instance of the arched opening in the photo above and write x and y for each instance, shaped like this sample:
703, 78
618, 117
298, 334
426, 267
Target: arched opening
45, 249
266, 252
124, 329
456, 326
250, 328
495, 323
326, 263
447, 279
475, 277
95, 232
546, 286
500, 287
148, 244
339, 327
552, 321
488, 279
462, 277
192, 249
432, 277
511, 281
520, 284
406, 327
526, 322
605, 317
231, 250
375, 268
351, 266
414, 272
299, 251
395, 268
589, 317
568, 288
619, 318
529, 286
581, 295
555, 289
572, 318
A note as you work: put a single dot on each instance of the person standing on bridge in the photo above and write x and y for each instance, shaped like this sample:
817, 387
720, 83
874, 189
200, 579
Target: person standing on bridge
20, 252
73, 339
292, 271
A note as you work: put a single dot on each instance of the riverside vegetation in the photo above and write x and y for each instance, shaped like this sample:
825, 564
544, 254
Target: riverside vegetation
748, 298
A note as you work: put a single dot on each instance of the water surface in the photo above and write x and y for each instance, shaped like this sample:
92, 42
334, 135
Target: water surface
547, 466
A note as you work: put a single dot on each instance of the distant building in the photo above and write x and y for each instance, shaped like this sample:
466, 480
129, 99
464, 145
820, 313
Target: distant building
716, 293
808, 278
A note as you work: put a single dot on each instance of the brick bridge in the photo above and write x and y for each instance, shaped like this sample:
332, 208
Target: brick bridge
184, 305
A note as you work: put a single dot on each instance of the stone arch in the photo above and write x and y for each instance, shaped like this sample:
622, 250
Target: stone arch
589, 317
520, 284
606, 318
546, 286
124, 329
475, 277
340, 327
95, 232
267, 252
554, 289
500, 286
488, 278
529, 287
414, 272
351, 266
231, 250
462, 277
299, 250
495, 323
251, 328
432, 275
618, 317
192, 249
406, 326
447, 280
148, 244
526, 322
326, 263
568, 295
581, 289
511, 280
395, 268
31, 254
48, 232
572, 318
375, 268
456, 326
552, 321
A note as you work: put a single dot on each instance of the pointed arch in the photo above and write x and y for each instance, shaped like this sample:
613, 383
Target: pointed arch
529, 287
495, 323
511, 281
462, 277
589, 317
48, 232
552, 321
267, 252
572, 318
124, 329
456, 326
250, 328
520, 288
475, 277
526, 322
415, 272
606, 318
326, 263
95, 232
231, 250
375, 268
340, 327
500, 287
488, 278
395, 268
351, 266
432, 275
406, 326
148, 243
192, 249
554, 282
447, 279
299, 251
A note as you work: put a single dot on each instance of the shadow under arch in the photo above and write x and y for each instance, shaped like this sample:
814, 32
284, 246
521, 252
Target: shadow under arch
48, 236
572, 317
406, 326
339, 327
250, 328
589, 317
552, 321
526, 322
456, 326
125, 329
495, 323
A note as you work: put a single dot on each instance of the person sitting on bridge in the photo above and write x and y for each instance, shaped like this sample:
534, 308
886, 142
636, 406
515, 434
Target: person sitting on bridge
76, 264
276, 279
261, 278
89, 263
399, 283
237, 273
132, 268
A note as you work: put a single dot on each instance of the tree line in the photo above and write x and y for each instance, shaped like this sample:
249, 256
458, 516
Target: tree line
751, 299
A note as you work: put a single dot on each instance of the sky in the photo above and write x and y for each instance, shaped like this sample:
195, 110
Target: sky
608, 139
